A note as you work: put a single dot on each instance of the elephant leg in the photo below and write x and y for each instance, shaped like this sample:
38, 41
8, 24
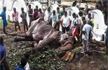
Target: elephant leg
18, 38
44, 42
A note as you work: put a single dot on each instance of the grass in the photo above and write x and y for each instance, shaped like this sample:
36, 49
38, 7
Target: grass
9, 23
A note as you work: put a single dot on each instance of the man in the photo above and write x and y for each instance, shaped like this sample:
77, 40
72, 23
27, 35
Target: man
62, 13
4, 21
22, 65
37, 8
74, 3
66, 22
75, 27
24, 20
54, 19
41, 14
106, 41
85, 36
90, 20
49, 13
30, 12
3, 59
58, 19
15, 16
27, 66
35, 15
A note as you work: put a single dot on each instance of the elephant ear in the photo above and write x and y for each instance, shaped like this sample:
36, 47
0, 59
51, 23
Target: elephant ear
64, 36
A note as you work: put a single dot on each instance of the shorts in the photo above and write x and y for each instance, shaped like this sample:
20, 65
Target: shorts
16, 23
24, 22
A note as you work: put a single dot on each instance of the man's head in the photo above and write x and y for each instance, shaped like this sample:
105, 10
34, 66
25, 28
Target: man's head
49, 9
84, 22
26, 55
74, 15
14, 9
65, 13
37, 7
58, 9
22, 9
29, 6
40, 10
80, 13
23, 61
4, 8
83, 18
64, 9
1, 41
54, 12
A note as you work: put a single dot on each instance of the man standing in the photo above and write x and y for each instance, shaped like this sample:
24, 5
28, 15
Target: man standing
90, 20
15, 16
30, 12
4, 21
66, 22
24, 20
106, 41
85, 36
58, 19
3, 59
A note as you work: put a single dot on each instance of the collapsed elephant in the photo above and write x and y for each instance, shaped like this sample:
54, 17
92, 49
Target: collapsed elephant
42, 33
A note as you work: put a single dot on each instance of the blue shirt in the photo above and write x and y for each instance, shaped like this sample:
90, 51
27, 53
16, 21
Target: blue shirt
2, 52
4, 21
19, 68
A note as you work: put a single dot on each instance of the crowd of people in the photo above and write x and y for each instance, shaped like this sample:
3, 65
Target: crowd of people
78, 25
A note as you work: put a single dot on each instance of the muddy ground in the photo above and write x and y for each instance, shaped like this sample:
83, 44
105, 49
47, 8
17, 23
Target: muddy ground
45, 59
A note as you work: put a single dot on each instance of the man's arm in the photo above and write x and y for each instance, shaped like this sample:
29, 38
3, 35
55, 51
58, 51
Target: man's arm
4, 56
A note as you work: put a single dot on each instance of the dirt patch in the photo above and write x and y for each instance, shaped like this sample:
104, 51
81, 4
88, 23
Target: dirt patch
45, 59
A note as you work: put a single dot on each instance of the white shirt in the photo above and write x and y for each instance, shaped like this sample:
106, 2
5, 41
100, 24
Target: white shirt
66, 21
27, 67
54, 20
87, 28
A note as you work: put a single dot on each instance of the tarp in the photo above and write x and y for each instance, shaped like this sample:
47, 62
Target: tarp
18, 4
36, 3
99, 24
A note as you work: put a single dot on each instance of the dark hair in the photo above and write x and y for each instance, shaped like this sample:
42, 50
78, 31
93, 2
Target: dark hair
80, 13
1, 40
40, 10
36, 6
84, 22
23, 61
74, 14
57, 7
14, 8
29, 6
89, 14
22, 8
54, 11
4, 7
83, 18
65, 12
26, 55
